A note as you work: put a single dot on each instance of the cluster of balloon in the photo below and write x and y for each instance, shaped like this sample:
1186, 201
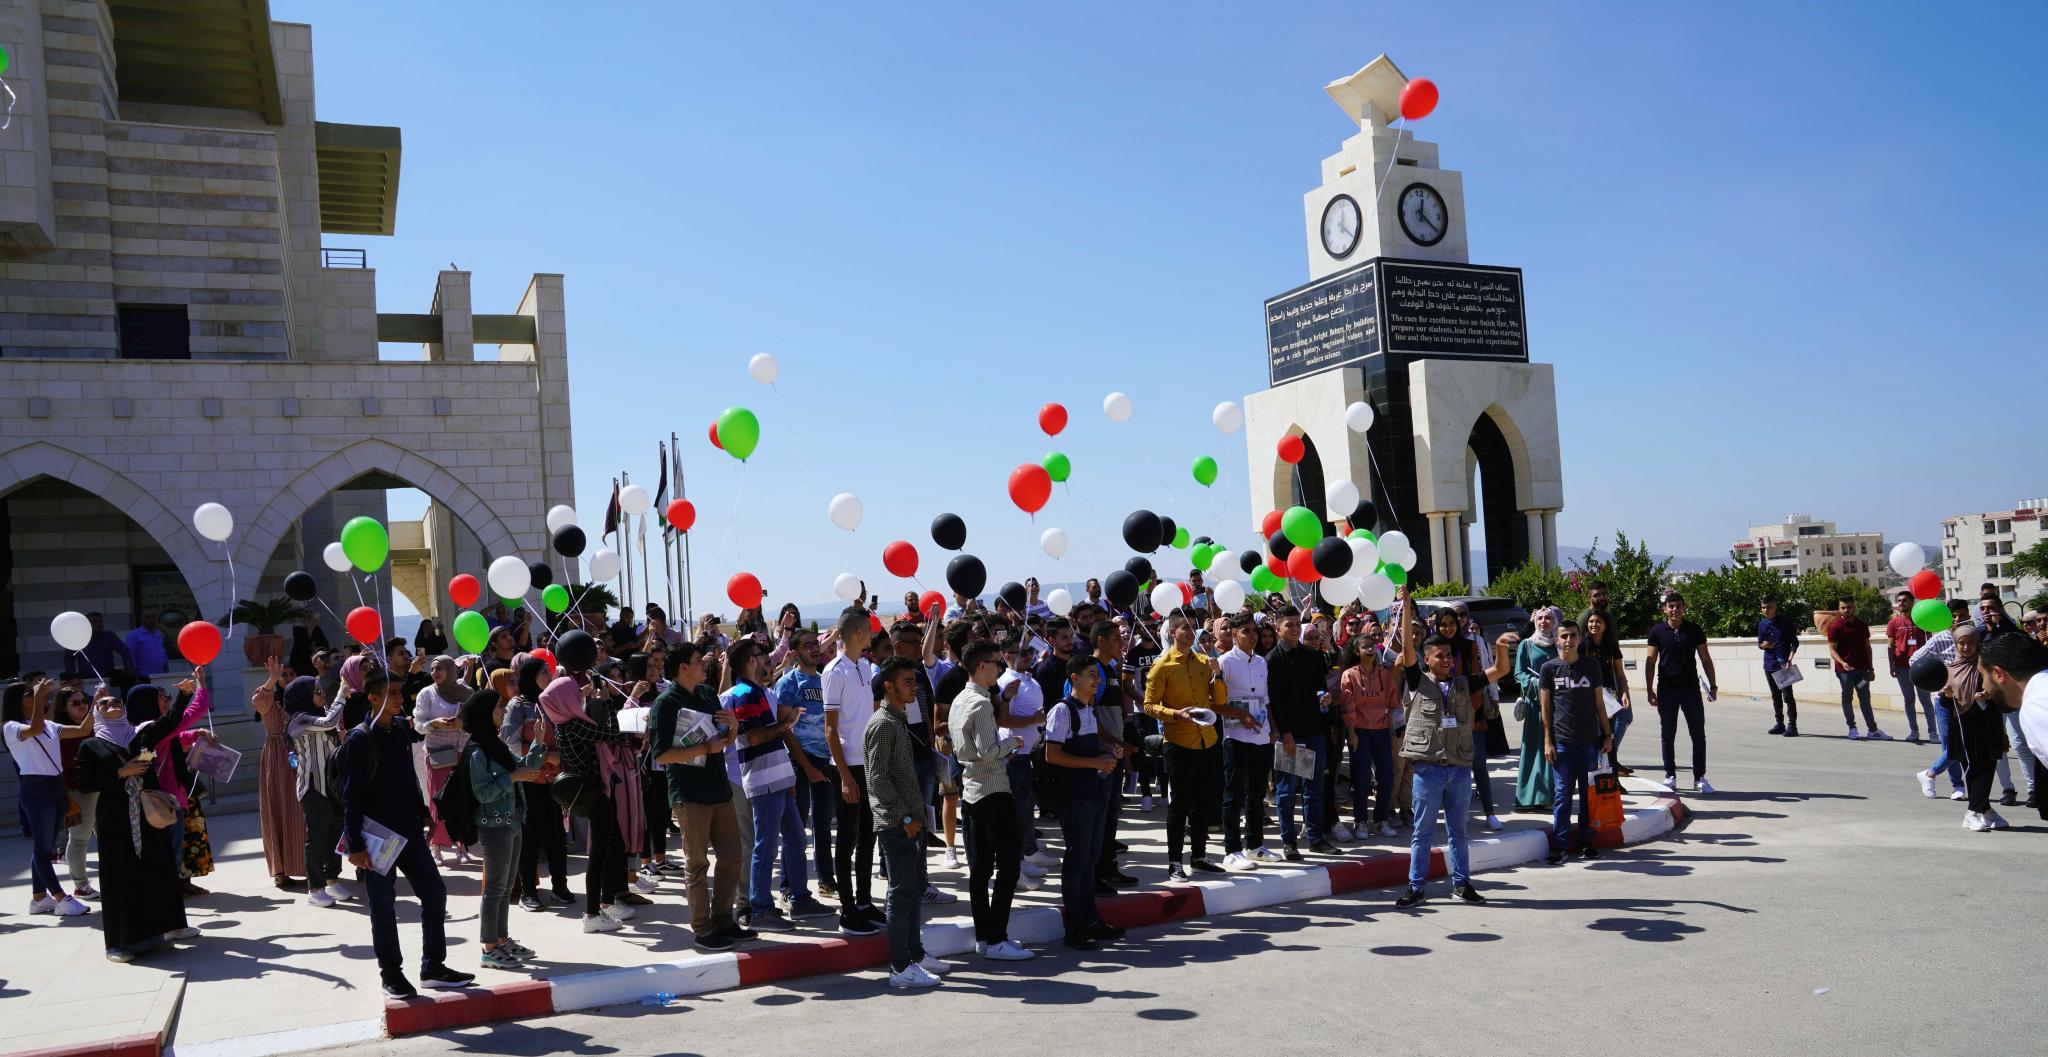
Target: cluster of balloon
744, 589
736, 432
966, 575
900, 558
1928, 613
845, 510
949, 532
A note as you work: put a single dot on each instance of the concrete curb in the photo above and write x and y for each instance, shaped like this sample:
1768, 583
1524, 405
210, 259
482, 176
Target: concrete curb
1215, 894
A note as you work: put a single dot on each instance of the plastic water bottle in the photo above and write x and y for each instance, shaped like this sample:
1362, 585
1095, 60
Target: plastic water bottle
659, 998
294, 758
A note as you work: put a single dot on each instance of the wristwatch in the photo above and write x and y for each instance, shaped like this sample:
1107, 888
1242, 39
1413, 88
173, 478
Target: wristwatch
907, 820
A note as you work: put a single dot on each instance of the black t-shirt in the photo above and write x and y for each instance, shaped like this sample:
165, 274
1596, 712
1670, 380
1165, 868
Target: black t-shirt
700, 782
1574, 700
1678, 659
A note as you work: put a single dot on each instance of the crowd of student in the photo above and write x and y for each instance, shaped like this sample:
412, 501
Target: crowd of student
778, 762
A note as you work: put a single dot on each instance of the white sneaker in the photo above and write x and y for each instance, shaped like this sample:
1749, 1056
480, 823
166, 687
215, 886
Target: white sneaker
1958, 795
618, 912
1926, 784
45, 905
913, 975
1878, 735
1264, 854
645, 885
600, 923
1669, 784
1855, 735
934, 966
186, 933
1042, 859
1386, 829
318, 897
340, 891
1340, 831
70, 907
1145, 804
1493, 824
1030, 882
1236, 863
951, 859
933, 895
1006, 951
1997, 822
1027, 868
1702, 788
1975, 822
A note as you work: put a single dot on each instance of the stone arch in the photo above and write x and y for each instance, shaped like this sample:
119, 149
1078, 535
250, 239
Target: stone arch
1497, 474
365, 456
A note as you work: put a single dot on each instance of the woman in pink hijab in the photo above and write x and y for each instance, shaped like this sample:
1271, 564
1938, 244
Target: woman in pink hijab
599, 754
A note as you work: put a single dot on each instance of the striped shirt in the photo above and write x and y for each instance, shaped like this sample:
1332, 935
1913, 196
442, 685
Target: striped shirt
893, 792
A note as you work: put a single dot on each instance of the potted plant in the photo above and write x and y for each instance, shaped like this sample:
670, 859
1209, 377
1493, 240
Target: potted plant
264, 618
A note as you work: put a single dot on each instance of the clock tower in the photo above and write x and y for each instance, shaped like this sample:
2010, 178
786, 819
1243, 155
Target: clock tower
1395, 315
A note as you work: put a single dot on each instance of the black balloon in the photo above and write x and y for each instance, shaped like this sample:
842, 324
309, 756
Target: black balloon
299, 586
950, 532
576, 651
1012, 595
1140, 567
1166, 530
542, 575
1280, 545
1141, 531
1929, 674
1249, 561
570, 541
1200, 540
966, 575
1365, 516
1121, 588
1331, 558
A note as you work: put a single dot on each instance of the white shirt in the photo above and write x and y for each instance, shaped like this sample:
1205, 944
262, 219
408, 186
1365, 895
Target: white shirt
1244, 679
1064, 724
1941, 644
40, 755
849, 692
1029, 700
2034, 710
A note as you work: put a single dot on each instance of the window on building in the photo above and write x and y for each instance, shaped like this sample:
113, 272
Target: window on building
2005, 546
1948, 530
1991, 572
1990, 548
1863, 547
1827, 550
2005, 524
155, 332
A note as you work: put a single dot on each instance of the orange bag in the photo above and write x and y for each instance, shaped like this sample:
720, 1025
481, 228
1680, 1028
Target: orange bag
1605, 798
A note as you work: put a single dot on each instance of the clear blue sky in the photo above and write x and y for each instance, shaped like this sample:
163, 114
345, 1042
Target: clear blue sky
1783, 261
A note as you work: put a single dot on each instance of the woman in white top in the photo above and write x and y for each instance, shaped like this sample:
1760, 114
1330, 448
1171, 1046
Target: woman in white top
32, 739
437, 715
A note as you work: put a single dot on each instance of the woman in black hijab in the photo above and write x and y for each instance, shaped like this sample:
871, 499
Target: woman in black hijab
541, 832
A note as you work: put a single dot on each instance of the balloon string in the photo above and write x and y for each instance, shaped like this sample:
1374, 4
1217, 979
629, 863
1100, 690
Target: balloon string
1084, 499
359, 591
234, 586
328, 608
795, 438
1392, 160
1142, 450
9, 119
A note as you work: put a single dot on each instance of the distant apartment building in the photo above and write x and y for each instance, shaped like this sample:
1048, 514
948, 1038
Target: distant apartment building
1977, 549
1800, 545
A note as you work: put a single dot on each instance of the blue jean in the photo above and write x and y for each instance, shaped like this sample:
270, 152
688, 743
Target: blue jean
1568, 778
1372, 765
381, 891
1906, 691
1449, 787
1856, 684
904, 855
1620, 721
1950, 760
819, 802
1081, 826
42, 799
2018, 738
776, 818
1308, 792
1021, 793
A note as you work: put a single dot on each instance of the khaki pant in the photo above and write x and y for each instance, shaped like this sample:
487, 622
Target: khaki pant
712, 829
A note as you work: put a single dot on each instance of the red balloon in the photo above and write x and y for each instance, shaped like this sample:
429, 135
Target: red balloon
874, 623
715, 442
463, 590
900, 558
1418, 98
365, 626
1300, 566
1278, 565
1187, 594
1925, 584
1030, 487
744, 589
1291, 449
929, 601
1269, 525
199, 642
681, 514
546, 656
1052, 418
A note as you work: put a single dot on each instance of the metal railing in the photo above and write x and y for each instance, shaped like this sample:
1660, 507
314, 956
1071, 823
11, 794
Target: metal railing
339, 257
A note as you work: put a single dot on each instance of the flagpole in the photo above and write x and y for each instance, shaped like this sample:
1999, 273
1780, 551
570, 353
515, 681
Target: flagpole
626, 555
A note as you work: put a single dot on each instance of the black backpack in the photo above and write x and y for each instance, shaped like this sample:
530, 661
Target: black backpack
337, 769
455, 805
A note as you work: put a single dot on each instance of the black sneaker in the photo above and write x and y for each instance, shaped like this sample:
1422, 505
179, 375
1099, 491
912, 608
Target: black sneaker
1323, 847
1120, 846
1081, 941
2010, 799
716, 941
1590, 851
1293, 853
1120, 878
1103, 888
1470, 894
771, 919
1411, 898
1201, 865
442, 978
562, 896
1778, 728
1792, 730
1557, 857
1103, 930
670, 866
397, 986
855, 923
529, 901
739, 933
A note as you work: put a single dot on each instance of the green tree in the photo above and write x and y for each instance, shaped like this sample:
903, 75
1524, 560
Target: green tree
2032, 563
1532, 586
1447, 589
1635, 581
1725, 601
1817, 590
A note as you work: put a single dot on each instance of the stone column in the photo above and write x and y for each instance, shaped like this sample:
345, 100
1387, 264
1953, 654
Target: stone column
1438, 546
458, 328
1536, 548
1550, 538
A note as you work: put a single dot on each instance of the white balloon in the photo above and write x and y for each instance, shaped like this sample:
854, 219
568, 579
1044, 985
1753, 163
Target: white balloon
1053, 542
336, 558
1407, 559
1376, 591
1908, 558
764, 368
1341, 591
1229, 595
72, 630
1228, 417
604, 564
214, 522
1396, 539
1365, 555
1060, 601
1165, 597
560, 516
1117, 406
634, 500
1397, 555
846, 511
1358, 416
847, 587
1341, 498
1223, 564
509, 577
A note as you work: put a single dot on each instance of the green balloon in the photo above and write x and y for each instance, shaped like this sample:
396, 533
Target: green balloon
738, 432
1364, 534
1057, 466
1205, 470
1395, 573
555, 598
1202, 554
1301, 526
3, 59
1264, 579
472, 631
366, 543
1180, 537
1930, 615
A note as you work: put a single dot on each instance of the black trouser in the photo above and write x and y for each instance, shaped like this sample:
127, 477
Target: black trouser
1245, 771
814, 801
606, 875
1482, 778
1334, 743
854, 874
1197, 786
323, 831
542, 833
654, 805
1983, 738
1149, 767
992, 852
1783, 706
1112, 806
1670, 703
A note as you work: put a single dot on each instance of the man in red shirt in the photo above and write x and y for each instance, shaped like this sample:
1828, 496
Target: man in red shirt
1849, 646
1902, 637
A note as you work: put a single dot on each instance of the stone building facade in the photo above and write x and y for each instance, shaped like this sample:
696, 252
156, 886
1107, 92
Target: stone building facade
173, 332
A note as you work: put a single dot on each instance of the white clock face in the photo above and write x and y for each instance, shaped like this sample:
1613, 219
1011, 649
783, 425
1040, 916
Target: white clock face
1340, 227
1423, 215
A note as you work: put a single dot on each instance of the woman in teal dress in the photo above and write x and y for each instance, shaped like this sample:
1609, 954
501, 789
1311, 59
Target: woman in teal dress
1532, 777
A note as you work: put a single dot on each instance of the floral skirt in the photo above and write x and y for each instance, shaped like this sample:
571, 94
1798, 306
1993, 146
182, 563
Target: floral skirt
197, 860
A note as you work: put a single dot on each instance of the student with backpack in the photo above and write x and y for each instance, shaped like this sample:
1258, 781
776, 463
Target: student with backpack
483, 806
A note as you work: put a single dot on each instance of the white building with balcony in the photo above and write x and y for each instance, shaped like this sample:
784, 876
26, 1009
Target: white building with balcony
1977, 549
1799, 545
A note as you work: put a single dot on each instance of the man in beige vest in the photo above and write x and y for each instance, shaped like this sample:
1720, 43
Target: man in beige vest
1439, 742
